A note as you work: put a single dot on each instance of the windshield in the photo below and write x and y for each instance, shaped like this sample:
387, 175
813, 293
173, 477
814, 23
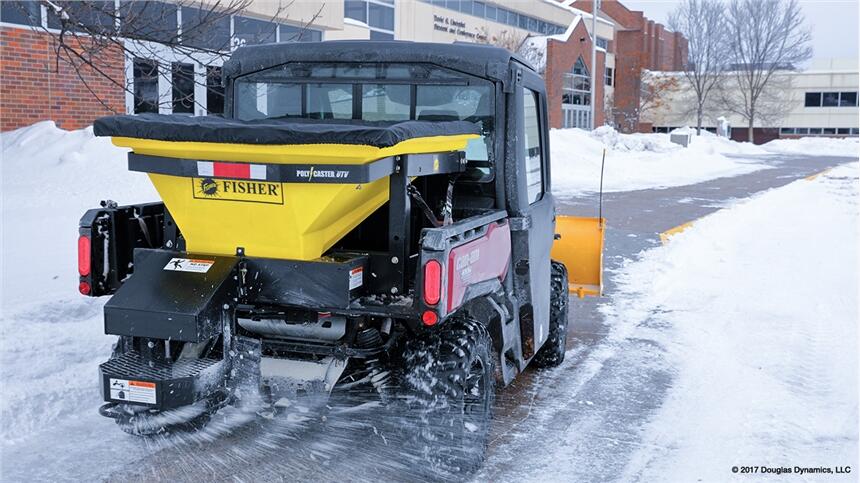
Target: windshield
370, 92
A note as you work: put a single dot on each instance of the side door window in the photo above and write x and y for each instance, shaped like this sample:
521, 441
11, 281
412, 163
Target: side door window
532, 144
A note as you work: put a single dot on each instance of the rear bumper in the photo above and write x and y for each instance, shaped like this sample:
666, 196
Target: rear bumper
129, 379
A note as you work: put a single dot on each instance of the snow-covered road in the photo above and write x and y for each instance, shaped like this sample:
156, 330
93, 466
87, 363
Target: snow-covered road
736, 337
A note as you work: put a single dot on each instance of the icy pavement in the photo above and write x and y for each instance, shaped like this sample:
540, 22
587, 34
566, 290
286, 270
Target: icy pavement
590, 420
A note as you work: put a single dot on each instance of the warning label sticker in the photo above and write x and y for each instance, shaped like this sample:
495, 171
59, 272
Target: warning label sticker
132, 391
189, 265
356, 278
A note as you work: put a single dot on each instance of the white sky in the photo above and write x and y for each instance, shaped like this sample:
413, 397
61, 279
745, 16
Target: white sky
834, 23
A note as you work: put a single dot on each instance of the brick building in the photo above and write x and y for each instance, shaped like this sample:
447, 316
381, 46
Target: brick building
640, 44
555, 35
34, 87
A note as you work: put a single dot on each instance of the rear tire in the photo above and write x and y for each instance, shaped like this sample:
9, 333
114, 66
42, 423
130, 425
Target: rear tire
551, 354
449, 380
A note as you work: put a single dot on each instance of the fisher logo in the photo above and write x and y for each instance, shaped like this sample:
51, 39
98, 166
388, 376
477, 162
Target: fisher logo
238, 190
208, 187
312, 173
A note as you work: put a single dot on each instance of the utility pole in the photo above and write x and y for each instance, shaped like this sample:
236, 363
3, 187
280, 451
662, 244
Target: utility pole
594, 77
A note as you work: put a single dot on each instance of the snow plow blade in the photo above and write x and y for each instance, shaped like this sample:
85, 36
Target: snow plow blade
579, 246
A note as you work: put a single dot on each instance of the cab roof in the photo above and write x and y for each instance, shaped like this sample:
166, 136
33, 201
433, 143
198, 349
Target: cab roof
480, 60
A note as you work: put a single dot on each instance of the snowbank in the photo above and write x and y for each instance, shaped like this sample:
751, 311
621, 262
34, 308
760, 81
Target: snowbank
51, 338
816, 146
765, 346
641, 161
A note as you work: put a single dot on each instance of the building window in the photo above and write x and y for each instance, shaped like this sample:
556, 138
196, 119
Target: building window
380, 16
813, 99
801, 130
145, 86
205, 29
290, 33
855, 131
21, 13
97, 16
532, 144
830, 99
251, 31
214, 91
355, 9
829, 130
576, 87
815, 130
374, 35
479, 9
843, 130
377, 14
150, 21
608, 76
786, 130
603, 43
183, 88
848, 99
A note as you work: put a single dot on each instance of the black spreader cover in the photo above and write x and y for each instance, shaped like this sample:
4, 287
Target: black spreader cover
215, 129
167, 304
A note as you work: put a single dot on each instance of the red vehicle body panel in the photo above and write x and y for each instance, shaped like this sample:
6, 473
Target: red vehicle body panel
479, 260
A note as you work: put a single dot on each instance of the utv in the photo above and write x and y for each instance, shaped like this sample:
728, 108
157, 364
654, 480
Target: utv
370, 213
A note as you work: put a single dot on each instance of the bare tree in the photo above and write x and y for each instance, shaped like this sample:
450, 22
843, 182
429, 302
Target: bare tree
94, 39
655, 89
765, 37
703, 23
506, 39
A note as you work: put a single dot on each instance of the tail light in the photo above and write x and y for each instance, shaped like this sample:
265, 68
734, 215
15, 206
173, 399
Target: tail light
432, 282
84, 251
85, 288
429, 318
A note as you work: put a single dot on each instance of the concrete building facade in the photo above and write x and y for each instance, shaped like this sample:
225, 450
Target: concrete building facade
555, 35
821, 100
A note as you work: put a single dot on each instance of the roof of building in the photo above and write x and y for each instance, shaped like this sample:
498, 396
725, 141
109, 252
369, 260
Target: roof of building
476, 59
533, 48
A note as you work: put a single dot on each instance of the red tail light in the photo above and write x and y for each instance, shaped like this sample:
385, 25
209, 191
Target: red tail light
429, 318
84, 255
84, 288
432, 282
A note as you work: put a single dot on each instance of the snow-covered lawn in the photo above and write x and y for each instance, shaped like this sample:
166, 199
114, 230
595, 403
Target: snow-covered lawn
816, 146
757, 306
51, 338
642, 161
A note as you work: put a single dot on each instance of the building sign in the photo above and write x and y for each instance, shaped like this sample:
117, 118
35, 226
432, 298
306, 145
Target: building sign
456, 27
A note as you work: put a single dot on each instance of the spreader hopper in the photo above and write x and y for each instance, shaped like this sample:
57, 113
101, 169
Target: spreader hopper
287, 200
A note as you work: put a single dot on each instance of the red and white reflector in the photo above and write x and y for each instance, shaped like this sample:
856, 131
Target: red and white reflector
217, 169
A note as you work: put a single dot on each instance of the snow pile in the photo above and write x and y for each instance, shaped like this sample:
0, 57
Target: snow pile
642, 161
52, 338
765, 345
819, 146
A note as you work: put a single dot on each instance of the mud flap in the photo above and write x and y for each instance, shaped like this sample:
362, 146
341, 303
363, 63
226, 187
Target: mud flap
579, 246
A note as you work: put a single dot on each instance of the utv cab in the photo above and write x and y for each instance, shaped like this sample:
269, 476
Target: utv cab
373, 213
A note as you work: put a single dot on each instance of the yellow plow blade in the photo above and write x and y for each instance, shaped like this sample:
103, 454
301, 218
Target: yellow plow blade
580, 249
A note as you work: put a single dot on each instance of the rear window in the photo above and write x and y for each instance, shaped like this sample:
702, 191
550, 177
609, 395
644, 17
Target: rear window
371, 92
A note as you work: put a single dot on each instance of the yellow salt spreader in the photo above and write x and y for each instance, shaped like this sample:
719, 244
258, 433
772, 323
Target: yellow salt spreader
366, 216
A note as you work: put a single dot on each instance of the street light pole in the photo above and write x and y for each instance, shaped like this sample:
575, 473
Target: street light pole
595, 7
